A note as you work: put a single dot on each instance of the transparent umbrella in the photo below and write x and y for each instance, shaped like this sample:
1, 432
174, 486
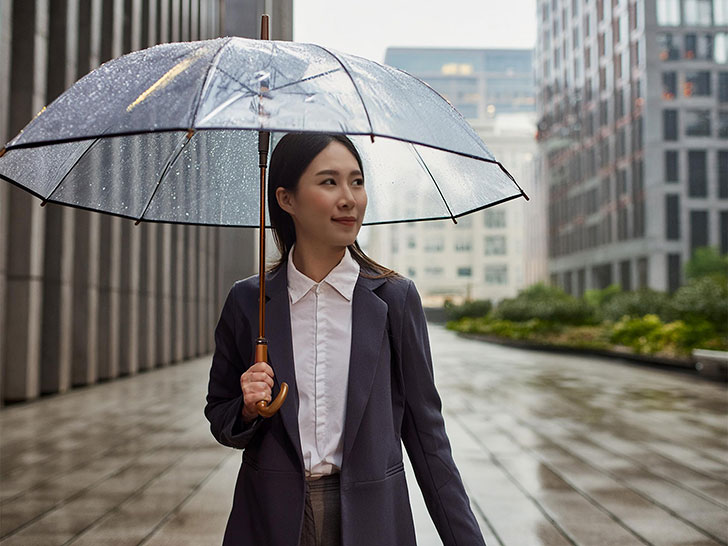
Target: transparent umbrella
179, 133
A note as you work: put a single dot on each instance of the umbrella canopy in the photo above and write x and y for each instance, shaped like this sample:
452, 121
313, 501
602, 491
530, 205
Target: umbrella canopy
170, 134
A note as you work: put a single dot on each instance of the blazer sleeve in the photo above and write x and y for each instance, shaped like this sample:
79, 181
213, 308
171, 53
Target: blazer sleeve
424, 436
224, 407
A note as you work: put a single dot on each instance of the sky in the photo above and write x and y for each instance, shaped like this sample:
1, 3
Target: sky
367, 27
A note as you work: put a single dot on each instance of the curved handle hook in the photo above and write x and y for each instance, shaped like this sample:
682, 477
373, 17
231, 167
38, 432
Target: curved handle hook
264, 409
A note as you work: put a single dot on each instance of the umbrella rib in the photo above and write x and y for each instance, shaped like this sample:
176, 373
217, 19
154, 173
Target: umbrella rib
356, 88
207, 75
309, 78
48, 197
422, 162
186, 139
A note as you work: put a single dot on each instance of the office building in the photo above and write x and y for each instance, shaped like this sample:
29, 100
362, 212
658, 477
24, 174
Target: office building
633, 129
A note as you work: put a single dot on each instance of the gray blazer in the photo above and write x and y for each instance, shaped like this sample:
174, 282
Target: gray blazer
391, 399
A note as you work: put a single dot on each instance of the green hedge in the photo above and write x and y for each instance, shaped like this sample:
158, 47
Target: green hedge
547, 304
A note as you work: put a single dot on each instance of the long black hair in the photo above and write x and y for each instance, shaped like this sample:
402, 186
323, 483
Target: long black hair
290, 158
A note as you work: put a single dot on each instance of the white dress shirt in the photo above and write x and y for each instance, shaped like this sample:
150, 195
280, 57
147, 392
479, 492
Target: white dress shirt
321, 335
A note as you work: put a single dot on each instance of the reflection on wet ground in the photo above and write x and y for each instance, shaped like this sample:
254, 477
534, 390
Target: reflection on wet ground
553, 449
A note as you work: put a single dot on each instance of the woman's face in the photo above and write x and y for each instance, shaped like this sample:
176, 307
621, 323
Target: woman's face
328, 204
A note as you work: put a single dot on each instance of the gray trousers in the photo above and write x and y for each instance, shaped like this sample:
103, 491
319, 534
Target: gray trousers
322, 513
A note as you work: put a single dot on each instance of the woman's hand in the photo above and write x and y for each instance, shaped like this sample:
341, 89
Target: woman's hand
256, 384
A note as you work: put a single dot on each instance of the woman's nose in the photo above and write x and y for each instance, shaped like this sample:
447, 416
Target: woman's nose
347, 196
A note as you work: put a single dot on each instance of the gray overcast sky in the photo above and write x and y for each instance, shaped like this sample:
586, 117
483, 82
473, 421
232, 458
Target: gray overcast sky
367, 27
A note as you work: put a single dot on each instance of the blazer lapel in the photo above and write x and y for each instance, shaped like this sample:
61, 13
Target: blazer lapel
369, 317
280, 351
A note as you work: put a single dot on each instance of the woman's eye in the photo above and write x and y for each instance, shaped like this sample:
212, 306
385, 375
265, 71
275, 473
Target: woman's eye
329, 181
359, 182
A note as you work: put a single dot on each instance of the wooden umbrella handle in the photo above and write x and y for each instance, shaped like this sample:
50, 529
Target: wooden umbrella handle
265, 410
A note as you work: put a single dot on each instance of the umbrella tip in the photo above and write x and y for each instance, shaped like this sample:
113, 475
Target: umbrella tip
372, 137
137, 222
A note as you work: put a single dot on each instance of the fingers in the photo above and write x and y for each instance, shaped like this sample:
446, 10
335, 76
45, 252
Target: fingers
262, 367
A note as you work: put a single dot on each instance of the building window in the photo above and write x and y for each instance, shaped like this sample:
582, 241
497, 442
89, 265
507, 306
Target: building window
669, 85
724, 232
697, 173
638, 199
434, 244
494, 218
720, 51
642, 272
625, 275
720, 12
697, 12
672, 217
723, 124
723, 86
669, 124
411, 272
463, 245
668, 13
411, 241
671, 166
697, 122
673, 272
433, 271
465, 272
668, 46
697, 84
495, 245
699, 46
496, 274
698, 229
723, 174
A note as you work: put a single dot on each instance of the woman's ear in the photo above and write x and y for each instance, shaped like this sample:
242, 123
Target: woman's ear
283, 197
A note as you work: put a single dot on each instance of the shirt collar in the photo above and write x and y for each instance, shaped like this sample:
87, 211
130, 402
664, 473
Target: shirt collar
342, 278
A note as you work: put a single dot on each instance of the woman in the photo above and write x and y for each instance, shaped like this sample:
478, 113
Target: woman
350, 338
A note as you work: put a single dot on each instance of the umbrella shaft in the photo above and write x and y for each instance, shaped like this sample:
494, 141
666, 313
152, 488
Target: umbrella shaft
261, 258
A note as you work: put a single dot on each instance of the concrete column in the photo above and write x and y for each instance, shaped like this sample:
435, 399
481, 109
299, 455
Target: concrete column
190, 287
57, 301
85, 266
6, 17
195, 20
178, 318
164, 294
214, 305
153, 38
150, 330
185, 20
26, 219
129, 297
201, 290
163, 23
174, 23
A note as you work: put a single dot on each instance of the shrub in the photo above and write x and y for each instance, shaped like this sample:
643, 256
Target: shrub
703, 300
638, 304
641, 334
598, 298
474, 308
650, 335
547, 304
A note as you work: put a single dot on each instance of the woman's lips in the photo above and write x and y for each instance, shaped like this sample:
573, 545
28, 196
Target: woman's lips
346, 222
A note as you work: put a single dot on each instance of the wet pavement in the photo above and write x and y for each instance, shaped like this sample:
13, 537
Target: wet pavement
553, 449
